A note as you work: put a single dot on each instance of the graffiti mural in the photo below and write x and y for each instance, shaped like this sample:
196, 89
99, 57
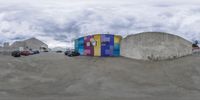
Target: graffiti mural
98, 45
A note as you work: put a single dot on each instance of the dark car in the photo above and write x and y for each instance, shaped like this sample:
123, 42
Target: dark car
25, 53
36, 52
67, 52
59, 51
46, 51
73, 53
16, 54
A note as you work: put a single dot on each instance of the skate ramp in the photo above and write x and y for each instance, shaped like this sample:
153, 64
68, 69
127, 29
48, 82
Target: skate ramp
155, 46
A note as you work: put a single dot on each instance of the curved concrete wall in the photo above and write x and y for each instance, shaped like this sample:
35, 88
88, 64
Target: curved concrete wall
155, 46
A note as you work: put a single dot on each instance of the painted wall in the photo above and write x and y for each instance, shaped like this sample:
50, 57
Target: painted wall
99, 45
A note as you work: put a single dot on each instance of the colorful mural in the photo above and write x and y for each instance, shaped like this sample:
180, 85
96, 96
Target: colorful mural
98, 45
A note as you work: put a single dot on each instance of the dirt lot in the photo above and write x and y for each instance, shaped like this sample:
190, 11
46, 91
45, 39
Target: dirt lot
51, 76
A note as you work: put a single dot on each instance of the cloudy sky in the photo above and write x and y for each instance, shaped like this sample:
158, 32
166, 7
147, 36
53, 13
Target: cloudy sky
59, 22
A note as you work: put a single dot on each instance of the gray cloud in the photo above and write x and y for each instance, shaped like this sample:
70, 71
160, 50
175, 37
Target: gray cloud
62, 24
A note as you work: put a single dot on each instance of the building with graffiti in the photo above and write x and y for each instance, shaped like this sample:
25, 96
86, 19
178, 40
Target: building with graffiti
99, 45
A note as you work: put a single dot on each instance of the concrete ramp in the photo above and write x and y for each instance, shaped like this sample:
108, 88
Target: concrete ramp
155, 46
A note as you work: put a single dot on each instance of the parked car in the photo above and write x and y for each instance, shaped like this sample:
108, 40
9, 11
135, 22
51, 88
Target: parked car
31, 53
16, 54
46, 51
59, 51
67, 52
73, 53
25, 53
36, 52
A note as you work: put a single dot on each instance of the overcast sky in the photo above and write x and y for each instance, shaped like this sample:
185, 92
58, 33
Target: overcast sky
59, 22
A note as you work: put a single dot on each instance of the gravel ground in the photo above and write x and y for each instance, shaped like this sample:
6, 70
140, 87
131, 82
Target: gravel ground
51, 76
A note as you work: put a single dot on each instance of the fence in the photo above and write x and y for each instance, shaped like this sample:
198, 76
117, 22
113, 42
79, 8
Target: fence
5, 51
196, 52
